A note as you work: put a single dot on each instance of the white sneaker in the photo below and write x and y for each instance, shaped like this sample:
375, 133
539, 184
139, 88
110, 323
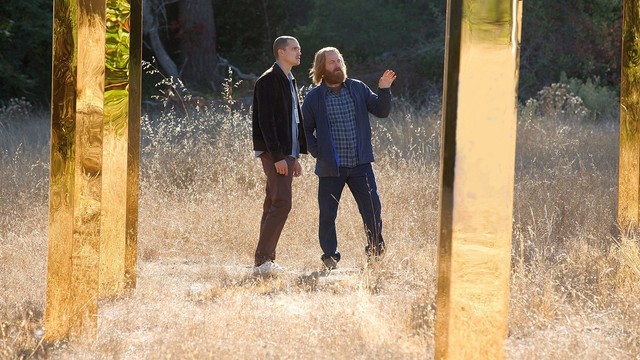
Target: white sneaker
268, 268
276, 268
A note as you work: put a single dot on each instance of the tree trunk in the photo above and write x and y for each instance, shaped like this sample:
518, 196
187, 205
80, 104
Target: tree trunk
198, 44
150, 24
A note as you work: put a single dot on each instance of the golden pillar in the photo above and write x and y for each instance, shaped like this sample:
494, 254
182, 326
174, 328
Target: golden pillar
121, 147
76, 204
629, 166
477, 174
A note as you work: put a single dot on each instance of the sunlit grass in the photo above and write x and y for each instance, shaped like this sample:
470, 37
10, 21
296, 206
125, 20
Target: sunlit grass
575, 287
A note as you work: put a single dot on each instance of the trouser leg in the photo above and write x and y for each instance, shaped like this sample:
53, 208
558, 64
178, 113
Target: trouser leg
362, 184
276, 207
329, 193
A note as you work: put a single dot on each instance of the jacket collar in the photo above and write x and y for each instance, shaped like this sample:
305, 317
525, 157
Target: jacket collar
276, 68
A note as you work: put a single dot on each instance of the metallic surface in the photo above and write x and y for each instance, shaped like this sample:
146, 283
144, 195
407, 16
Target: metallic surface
76, 156
629, 166
477, 174
79, 104
121, 143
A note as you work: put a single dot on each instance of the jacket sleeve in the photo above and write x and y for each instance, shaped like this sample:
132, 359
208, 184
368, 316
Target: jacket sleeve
265, 96
379, 105
309, 123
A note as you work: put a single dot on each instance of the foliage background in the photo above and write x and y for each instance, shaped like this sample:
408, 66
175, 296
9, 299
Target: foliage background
580, 38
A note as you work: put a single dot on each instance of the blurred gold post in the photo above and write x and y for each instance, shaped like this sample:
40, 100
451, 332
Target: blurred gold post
79, 105
629, 166
121, 147
477, 174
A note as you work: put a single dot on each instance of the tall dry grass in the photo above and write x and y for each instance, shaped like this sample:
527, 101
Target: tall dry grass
575, 286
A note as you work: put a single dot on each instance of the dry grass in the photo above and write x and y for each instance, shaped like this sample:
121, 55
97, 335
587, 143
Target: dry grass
575, 290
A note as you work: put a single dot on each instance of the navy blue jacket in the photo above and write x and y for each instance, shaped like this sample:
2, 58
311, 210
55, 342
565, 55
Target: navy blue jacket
317, 130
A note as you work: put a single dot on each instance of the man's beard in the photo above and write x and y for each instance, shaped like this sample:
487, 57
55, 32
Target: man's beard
335, 77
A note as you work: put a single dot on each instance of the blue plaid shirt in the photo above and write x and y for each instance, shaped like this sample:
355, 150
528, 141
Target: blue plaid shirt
342, 121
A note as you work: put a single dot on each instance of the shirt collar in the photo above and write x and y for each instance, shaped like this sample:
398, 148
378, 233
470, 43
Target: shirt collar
290, 76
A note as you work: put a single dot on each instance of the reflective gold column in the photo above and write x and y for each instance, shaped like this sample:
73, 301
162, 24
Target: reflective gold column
629, 166
85, 108
477, 172
76, 157
121, 144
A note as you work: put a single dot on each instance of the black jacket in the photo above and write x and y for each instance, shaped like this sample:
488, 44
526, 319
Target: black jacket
272, 113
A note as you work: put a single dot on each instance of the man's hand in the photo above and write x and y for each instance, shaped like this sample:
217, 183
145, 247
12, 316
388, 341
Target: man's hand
281, 167
297, 168
386, 80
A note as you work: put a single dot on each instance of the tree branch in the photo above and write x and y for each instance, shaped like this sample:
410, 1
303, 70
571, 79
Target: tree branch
224, 62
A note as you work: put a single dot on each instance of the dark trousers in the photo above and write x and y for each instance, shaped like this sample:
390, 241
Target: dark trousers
276, 207
362, 184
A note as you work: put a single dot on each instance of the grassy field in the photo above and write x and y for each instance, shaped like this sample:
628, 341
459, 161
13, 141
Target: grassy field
575, 290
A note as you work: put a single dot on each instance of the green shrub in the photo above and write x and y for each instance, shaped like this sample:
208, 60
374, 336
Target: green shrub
602, 101
574, 99
556, 101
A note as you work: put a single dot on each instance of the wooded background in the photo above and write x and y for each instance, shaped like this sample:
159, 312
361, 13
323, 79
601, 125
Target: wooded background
196, 40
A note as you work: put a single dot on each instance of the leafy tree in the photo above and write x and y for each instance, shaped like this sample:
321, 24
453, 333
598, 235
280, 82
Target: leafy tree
378, 28
581, 38
247, 29
25, 49
406, 35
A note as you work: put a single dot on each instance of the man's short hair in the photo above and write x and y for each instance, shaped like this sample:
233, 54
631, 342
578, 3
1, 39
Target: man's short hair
281, 43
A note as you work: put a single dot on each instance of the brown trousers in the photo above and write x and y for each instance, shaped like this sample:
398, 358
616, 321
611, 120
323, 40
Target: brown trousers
276, 207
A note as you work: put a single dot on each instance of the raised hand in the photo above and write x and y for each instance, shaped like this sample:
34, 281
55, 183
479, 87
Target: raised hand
387, 79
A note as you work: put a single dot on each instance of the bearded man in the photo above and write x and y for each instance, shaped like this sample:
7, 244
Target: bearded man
338, 132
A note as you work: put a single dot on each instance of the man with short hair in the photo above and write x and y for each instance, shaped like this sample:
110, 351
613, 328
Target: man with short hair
278, 140
338, 131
